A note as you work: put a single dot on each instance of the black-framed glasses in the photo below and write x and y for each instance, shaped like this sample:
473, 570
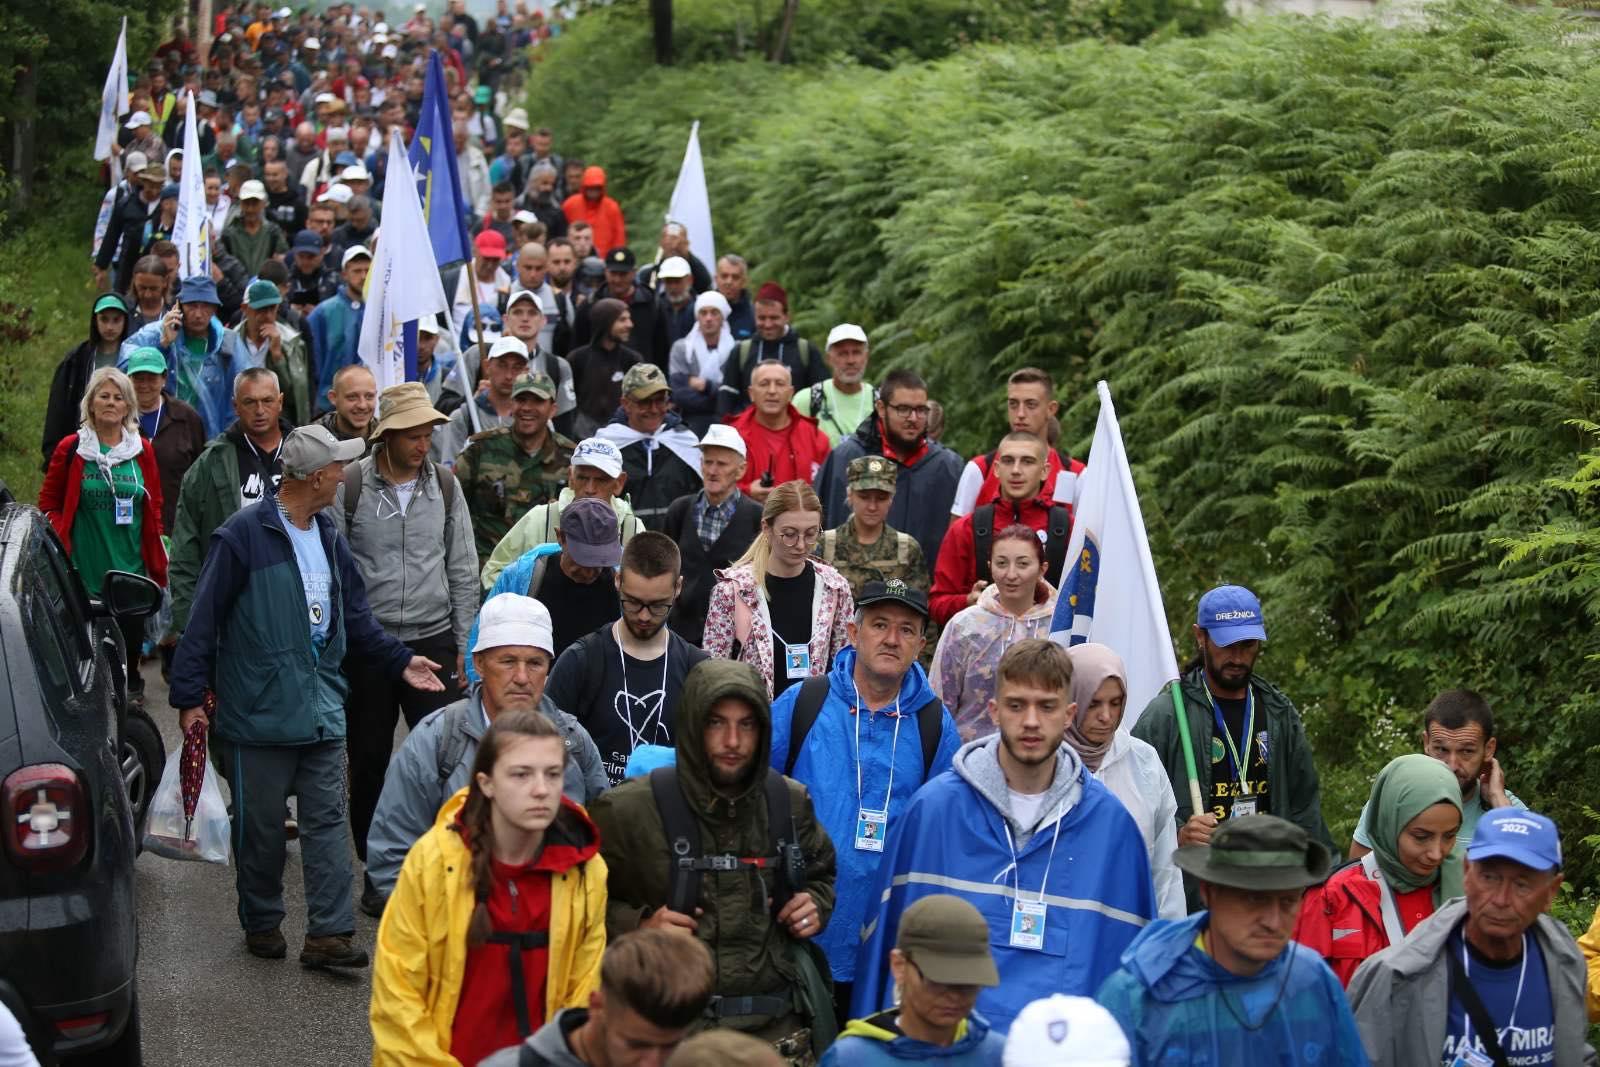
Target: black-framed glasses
658, 609
908, 411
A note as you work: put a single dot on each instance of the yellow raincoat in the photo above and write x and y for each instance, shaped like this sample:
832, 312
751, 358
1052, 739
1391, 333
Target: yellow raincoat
422, 943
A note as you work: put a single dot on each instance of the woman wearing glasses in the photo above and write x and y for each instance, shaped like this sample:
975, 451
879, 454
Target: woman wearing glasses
779, 608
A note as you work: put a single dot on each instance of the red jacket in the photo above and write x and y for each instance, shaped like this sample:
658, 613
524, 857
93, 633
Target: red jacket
58, 499
1342, 919
957, 567
605, 214
797, 451
1052, 470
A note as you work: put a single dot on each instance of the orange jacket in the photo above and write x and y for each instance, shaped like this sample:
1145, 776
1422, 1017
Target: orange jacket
604, 214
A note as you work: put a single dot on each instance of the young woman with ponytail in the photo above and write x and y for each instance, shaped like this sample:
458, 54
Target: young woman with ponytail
498, 919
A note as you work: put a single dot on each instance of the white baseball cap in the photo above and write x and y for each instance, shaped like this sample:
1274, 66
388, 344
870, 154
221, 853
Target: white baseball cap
846, 331
137, 119
508, 346
355, 172
674, 267
338, 192
312, 42
428, 324
325, 98
353, 252
1063, 1031
601, 455
252, 190
721, 435
514, 619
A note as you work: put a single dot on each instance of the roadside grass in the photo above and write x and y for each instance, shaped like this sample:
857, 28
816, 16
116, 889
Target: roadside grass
45, 290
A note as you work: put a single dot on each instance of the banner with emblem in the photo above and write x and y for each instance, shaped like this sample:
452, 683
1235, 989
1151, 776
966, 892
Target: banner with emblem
1109, 594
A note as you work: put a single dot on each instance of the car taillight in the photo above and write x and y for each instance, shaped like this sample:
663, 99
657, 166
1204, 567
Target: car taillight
47, 820
83, 1026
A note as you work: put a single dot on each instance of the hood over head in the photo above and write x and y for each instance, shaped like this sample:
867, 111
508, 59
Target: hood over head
594, 178
1164, 959
603, 314
706, 683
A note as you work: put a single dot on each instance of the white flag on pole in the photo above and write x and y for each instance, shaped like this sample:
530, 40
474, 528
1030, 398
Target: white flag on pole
690, 203
403, 284
1109, 594
113, 103
191, 231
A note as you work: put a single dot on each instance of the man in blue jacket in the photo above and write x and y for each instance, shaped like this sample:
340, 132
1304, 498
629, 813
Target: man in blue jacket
1020, 829
278, 603
335, 326
1227, 985
202, 357
864, 737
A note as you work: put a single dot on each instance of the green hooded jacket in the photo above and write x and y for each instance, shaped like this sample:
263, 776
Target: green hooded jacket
752, 953
1295, 791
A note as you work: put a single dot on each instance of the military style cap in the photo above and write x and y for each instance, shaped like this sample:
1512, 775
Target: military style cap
894, 591
1257, 852
643, 380
872, 472
948, 939
536, 382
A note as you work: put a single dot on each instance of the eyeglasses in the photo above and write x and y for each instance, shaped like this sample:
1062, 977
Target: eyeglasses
795, 538
658, 609
907, 411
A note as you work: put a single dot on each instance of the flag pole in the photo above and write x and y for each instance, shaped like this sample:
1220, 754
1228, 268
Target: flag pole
1188, 745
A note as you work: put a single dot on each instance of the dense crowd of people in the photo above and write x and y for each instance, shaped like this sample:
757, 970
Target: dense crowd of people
657, 584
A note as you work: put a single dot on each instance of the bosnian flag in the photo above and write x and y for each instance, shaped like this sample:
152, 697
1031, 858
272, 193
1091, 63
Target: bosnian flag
403, 284
1109, 593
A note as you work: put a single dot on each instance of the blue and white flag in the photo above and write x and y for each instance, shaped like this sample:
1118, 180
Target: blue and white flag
1109, 593
433, 159
403, 284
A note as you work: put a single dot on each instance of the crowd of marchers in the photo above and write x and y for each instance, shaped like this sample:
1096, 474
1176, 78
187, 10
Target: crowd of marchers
658, 586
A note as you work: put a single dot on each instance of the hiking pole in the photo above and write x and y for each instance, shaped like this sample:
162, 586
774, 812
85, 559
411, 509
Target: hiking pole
1188, 746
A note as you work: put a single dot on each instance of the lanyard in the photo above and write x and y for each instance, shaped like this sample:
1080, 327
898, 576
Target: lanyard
1466, 966
636, 735
266, 462
1240, 767
1391, 913
893, 746
1016, 872
103, 465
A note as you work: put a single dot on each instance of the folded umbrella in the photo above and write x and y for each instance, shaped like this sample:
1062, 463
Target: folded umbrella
192, 764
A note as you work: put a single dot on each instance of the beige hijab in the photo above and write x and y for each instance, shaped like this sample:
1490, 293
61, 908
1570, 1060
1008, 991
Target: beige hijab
1092, 664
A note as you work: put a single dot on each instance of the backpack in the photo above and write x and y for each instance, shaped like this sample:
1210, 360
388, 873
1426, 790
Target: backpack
902, 553
1058, 531
803, 348
686, 863
814, 693
352, 496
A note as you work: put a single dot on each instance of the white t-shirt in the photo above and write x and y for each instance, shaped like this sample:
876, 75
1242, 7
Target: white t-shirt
1025, 807
403, 492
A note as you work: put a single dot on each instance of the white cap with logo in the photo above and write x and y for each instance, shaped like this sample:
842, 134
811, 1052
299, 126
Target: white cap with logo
1063, 1031
602, 455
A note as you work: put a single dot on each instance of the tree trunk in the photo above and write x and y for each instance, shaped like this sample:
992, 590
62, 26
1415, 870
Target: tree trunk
781, 45
202, 29
22, 127
661, 16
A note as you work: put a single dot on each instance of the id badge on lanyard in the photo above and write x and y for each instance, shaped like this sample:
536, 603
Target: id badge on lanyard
1247, 803
1471, 1057
871, 826
796, 661
124, 510
1027, 924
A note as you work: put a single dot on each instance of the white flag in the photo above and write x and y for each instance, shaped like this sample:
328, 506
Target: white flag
690, 203
403, 284
191, 231
1109, 594
113, 103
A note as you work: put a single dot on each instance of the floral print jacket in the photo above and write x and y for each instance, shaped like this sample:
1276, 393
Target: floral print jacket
738, 612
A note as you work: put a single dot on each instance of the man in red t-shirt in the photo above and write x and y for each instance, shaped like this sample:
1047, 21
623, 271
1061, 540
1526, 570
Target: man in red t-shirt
1030, 405
780, 443
960, 575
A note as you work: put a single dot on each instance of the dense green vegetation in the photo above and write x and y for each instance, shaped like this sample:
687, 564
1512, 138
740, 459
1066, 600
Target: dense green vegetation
1344, 281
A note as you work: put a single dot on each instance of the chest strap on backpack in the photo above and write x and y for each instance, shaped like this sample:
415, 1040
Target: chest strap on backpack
774, 1004
687, 863
519, 943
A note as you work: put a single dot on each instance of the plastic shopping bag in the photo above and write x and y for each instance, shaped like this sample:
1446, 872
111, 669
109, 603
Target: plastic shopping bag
207, 839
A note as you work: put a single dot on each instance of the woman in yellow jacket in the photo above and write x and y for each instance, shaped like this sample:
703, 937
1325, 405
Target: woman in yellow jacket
498, 920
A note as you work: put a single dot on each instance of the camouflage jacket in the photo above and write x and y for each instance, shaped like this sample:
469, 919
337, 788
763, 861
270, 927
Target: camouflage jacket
892, 555
502, 482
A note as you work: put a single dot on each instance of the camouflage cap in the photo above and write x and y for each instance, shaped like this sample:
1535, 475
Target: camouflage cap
536, 382
872, 472
642, 380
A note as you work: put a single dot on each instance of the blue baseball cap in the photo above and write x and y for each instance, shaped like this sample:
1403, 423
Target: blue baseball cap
1519, 835
1230, 614
198, 290
306, 241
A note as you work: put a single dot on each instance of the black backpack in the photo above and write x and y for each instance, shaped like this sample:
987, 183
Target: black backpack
808, 705
1058, 531
686, 863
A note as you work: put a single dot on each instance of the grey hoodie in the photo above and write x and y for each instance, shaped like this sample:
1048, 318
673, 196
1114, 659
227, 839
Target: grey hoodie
422, 579
1401, 996
979, 763
549, 1041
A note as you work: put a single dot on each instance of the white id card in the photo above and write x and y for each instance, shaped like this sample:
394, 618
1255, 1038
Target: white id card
870, 828
1473, 1058
124, 512
797, 661
1027, 924
1243, 806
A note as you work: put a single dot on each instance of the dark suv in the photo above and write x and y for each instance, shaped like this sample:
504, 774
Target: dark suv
77, 769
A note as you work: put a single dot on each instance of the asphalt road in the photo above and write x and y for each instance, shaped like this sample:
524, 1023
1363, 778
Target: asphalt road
204, 999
